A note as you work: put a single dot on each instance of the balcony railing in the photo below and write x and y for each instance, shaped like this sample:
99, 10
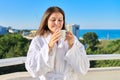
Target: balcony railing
106, 73
21, 60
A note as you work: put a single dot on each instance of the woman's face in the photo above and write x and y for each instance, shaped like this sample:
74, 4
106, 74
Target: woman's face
55, 22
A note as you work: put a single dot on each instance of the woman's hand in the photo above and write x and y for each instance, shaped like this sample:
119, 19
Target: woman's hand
54, 38
70, 38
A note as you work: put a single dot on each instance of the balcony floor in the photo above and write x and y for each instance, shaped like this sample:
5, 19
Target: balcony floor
91, 75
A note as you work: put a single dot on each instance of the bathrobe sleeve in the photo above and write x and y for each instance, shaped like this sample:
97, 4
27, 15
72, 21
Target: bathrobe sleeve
76, 57
37, 62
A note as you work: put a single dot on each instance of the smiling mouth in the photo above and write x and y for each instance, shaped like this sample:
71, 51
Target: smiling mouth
56, 28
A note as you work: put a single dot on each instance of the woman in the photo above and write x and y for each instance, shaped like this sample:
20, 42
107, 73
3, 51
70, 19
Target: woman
50, 57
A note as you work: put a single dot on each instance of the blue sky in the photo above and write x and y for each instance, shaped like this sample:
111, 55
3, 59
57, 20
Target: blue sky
89, 14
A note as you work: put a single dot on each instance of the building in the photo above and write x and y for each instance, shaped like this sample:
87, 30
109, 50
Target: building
13, 31
74, 28
3, 30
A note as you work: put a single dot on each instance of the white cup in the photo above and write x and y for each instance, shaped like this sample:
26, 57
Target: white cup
68, 28
63, 32
63, 36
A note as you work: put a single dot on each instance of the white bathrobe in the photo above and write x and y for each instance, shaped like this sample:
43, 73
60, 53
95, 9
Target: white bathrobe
60, 63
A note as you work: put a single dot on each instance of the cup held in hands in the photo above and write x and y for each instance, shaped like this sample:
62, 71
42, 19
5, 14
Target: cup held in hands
63, 32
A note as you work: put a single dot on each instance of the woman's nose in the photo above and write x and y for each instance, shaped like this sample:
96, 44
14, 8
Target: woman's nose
56, 22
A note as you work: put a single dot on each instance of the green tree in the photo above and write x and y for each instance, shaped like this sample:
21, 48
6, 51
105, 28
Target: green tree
13, 45
91, 40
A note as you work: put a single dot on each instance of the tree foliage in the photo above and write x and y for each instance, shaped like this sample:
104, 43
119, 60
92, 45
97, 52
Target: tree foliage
91, 40
104, 47
13, 45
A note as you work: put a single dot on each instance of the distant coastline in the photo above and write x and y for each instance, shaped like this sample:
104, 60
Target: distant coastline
102, 33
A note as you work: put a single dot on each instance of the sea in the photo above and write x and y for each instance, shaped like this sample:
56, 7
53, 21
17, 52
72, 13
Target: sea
110, 34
